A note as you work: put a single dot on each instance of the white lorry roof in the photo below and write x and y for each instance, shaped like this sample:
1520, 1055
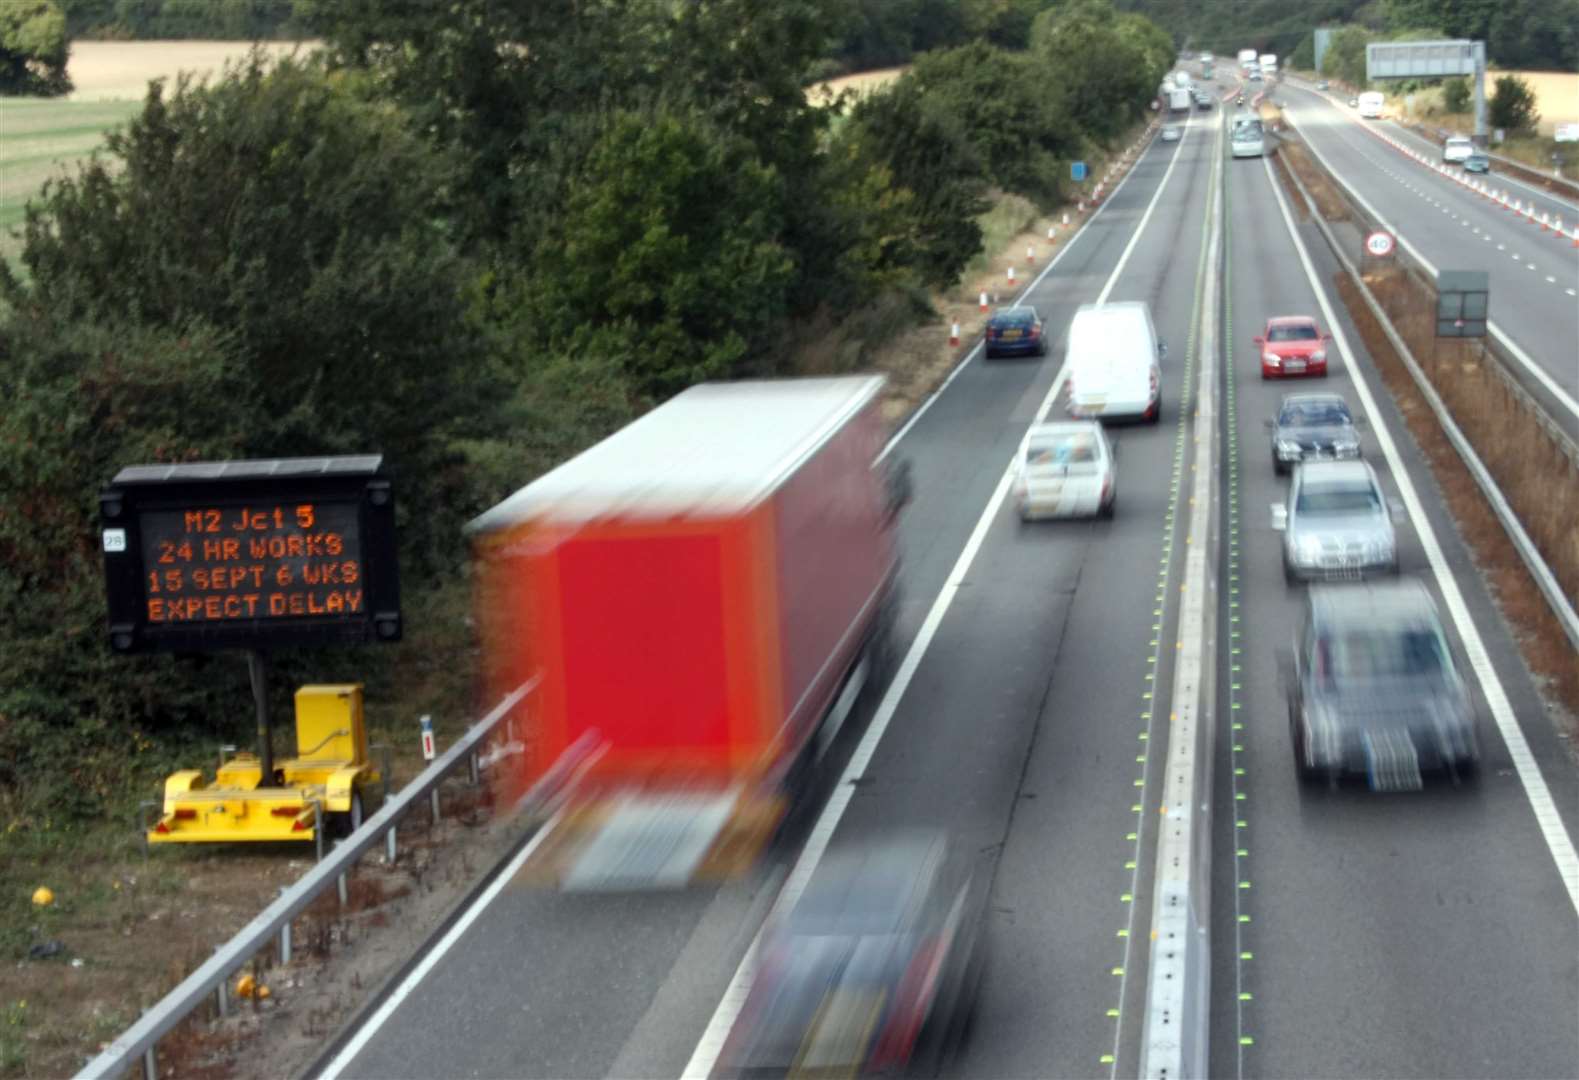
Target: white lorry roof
714, 449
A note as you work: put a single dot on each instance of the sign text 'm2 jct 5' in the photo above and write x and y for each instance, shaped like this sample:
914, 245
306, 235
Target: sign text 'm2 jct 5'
250, 554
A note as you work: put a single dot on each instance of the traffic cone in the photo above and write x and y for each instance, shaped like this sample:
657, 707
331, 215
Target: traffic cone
1558, 227
984, 300
1011, 277
1052, 234
1030, 254
1546, 221
953, 335
1576, 236
1081, 206
1066, 217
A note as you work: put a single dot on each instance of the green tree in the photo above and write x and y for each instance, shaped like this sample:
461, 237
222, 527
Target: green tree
1014, 116
924, 147
1512, 105
668, 260
1456, 95
1345, 57
33, 48
1110, 65
300, 217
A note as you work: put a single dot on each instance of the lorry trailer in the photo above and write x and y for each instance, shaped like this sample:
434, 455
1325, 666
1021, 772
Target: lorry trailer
694, 601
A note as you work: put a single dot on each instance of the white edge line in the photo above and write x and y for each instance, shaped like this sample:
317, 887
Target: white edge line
1558, 842
1034, 282
711, 1043
417, 974
1508, 343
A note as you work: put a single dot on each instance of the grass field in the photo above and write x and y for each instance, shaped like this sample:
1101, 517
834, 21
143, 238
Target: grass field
41, 137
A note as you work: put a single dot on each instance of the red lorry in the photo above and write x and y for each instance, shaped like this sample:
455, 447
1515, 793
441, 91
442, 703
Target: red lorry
690, 600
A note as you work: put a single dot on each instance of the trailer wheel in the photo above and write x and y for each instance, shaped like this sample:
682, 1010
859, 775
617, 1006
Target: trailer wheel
346, 822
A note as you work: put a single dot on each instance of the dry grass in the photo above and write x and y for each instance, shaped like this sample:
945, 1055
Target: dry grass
120, 70
859, 84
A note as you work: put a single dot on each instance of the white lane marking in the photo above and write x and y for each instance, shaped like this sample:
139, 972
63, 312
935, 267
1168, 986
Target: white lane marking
1571, 292
1558, 842
1536, 371
976, 350
1550, 280
711, 1044
358, 1041
1123, 260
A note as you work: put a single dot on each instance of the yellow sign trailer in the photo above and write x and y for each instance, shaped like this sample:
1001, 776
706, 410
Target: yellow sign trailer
321, 788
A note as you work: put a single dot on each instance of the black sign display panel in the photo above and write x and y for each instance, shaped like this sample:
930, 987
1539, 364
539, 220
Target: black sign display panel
251, 555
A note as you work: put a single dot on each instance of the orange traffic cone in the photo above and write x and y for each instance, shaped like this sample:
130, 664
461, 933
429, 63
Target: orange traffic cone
984, 300
1011, 277
1052, 234
953, 335
1030, 254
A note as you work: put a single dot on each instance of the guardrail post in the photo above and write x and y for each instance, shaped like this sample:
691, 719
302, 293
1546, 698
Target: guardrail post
222, 999
150, 1065
433, 801
471, 768
285, 939
389, 846
340, 887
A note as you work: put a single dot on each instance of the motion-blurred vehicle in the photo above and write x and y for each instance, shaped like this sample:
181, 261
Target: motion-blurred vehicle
1247, 139
692, 605
1456, 149
1015, 331
1373, 689
1171, 132
1322, 85
1354, 102
1312, 427
1337, 525
1477, 162
1292, 345
871, 970
1371, 104
1066, 470
1112, 357
1204, 101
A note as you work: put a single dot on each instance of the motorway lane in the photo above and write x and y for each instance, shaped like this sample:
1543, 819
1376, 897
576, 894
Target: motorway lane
554, 985
1412, 935
1534, 276
1091, 678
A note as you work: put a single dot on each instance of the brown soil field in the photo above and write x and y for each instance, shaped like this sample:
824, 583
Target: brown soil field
118, 70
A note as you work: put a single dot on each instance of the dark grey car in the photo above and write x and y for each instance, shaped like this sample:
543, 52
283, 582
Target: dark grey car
1373, 689
1312, 427
872, 971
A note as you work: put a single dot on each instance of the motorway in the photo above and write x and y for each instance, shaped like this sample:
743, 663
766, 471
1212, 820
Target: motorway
1534, 275
1422, 935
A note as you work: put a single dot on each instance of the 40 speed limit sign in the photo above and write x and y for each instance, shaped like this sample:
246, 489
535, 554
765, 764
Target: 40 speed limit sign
1379, 244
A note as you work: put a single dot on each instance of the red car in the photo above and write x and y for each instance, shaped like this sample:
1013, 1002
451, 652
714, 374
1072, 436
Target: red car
1293, 345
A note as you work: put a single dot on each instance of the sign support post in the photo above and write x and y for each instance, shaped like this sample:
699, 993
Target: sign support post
258, 669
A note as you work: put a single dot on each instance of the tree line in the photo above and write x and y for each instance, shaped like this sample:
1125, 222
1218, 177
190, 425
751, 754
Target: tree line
475, 238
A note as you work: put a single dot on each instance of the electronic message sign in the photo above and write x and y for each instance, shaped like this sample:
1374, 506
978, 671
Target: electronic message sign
250, 554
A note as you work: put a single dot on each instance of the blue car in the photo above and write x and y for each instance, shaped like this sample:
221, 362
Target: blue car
1477, 162
1015, 331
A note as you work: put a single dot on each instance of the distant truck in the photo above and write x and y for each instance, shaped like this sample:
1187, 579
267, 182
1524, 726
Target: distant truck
1268, 62
1247, 58
1180, 99
1181, 78
690, 602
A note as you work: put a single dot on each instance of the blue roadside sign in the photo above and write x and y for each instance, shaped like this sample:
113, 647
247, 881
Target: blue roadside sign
1077, 171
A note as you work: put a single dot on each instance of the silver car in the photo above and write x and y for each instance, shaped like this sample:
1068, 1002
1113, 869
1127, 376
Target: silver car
1373, 689
1336, 525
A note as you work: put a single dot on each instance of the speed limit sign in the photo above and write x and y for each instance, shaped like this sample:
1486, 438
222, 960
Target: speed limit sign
1379, 244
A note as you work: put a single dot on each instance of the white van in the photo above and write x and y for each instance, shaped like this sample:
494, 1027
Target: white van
1371, 105
1112, 363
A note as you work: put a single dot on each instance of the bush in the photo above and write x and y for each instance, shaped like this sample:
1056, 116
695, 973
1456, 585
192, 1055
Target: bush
1456, 96
1513, 105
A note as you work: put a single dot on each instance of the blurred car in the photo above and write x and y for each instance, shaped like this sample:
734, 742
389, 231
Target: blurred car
1354, 102
1066, 470
1456, 149
1292, 345
1204, 102
1322, 85
1336, 525
1015, 331
1373, 688
1171, 132
874, 959
1312, 427
1478, 161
